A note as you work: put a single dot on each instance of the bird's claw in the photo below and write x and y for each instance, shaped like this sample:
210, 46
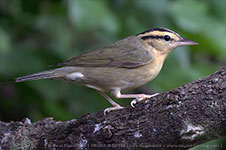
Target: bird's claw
133, 102
143, 97
116, 107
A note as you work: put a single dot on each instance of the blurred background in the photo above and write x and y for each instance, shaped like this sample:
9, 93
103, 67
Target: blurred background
38, 33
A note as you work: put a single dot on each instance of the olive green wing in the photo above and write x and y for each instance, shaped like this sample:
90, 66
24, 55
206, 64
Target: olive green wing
126, 53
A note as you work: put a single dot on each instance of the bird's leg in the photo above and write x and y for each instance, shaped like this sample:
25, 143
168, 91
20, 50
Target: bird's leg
115, 105
143, 97
139, 97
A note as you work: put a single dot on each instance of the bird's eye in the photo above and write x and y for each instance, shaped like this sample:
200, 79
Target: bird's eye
166, 37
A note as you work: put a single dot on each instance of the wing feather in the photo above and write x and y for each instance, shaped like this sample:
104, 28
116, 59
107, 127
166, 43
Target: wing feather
126, 53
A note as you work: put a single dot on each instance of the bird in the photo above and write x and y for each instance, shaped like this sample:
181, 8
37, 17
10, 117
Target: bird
123, 65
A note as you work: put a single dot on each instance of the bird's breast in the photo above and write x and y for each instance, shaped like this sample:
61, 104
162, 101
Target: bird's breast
141, 75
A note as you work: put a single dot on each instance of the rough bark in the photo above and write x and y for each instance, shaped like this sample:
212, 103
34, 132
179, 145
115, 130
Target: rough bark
178, 119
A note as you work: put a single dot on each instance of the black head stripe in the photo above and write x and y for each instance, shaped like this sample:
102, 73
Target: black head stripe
152, 37
162, 29
156, 29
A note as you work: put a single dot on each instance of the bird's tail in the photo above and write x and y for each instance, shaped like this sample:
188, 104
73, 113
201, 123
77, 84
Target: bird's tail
49, 74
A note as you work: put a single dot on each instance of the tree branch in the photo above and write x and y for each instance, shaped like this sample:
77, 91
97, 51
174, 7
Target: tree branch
181, 118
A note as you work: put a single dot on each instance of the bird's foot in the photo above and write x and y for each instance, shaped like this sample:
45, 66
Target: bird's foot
142, 97
115, 107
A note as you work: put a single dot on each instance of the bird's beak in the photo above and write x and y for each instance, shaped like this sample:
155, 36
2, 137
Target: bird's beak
185, 42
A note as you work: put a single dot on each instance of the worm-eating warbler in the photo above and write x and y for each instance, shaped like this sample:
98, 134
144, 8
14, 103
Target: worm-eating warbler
125, 64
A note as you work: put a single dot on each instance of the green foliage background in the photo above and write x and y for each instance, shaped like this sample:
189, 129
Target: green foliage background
35, 34
38, 33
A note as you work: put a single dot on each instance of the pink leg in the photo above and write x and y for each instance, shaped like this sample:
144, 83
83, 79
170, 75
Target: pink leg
115, 105
139, 97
